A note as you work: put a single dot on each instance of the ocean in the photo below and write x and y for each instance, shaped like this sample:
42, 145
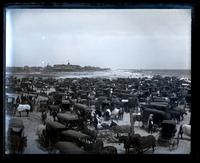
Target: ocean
109, 74
126, 73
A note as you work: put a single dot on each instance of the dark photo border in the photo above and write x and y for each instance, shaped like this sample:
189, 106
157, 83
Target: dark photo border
139, 4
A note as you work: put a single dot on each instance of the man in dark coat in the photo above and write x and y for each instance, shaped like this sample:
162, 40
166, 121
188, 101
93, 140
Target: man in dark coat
18, 100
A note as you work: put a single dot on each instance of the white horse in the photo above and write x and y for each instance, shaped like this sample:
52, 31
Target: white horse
186, 129
115, 113
40, 130
23, 107
108, 110
137, 116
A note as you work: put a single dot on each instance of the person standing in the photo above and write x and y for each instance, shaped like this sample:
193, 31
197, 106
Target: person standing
150, 124
95, 121
180, 132
18, 100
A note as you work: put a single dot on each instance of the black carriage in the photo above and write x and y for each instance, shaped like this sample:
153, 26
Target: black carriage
158, 116
65, 105
16, 139
70, 120
162, 106
53, 130
167, 133
65, 147
79, 138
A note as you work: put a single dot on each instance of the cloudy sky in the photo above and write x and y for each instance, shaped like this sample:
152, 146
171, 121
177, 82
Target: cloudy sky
115, 38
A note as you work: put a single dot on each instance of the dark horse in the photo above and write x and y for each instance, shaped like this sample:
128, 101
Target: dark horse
138, 142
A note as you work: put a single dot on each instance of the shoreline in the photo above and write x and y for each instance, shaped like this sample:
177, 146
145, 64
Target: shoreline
118, 73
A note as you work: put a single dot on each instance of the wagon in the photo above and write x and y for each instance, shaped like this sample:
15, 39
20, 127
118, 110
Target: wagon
65, 147
167, 133
77, 137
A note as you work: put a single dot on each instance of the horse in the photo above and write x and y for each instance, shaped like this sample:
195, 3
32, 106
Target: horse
147, 142
23, 107
115, 113
138, 142
130, 141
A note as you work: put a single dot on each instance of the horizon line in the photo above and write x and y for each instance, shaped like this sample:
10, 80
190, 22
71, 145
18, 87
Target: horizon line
120, 68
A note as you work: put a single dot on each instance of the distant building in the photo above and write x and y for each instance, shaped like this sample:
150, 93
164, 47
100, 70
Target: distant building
68, 67
55, 68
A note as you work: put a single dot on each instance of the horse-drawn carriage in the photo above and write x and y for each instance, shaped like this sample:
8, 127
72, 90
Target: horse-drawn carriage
79, 138
65, 147
16, 139
158, 116
167, 133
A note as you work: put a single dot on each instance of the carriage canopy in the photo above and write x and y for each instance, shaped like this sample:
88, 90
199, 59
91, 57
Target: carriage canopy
55, 125
67, 116
75, 134
16, 124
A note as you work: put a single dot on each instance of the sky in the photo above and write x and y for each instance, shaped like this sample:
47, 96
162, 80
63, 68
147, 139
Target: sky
107, 38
